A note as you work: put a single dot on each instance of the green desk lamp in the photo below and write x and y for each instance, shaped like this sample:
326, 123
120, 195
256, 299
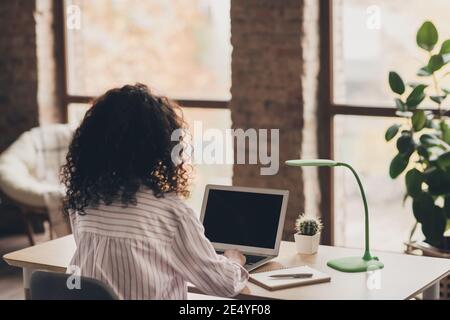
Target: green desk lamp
350, 264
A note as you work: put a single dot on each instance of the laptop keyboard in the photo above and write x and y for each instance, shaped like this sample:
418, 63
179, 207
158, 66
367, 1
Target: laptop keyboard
251, 260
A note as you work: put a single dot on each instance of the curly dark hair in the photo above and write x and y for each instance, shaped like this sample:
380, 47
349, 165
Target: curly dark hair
123, 143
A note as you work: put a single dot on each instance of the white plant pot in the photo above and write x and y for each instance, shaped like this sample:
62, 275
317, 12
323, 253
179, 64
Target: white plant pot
307, 244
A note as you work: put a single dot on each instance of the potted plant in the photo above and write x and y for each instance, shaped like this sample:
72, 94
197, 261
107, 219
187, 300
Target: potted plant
307, 238
423, 139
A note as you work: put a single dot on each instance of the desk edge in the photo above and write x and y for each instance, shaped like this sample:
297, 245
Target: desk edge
33, 266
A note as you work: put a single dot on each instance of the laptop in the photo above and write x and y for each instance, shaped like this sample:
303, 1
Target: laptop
247, 219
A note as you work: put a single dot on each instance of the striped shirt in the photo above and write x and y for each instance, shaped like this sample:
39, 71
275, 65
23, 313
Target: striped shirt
151, 250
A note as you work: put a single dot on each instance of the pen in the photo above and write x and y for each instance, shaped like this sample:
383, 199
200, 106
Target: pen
294, 275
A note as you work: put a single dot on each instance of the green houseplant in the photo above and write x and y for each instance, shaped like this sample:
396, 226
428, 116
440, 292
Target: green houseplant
423, 138
307, 238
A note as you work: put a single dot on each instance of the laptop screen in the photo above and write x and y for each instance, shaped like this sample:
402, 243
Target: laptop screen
242, 218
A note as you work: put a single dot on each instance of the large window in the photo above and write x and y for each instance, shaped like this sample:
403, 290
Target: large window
179, 48
371, 38
359, 141
362, 40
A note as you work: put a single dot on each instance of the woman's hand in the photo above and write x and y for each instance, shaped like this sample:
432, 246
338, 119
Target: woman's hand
236, 256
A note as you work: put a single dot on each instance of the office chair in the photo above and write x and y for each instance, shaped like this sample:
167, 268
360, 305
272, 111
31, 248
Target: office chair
53, 286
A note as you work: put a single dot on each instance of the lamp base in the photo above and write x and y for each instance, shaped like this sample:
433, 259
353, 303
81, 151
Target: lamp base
355, 264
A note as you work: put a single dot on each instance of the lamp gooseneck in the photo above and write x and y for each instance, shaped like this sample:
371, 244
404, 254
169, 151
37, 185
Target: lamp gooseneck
367, 256
348, 264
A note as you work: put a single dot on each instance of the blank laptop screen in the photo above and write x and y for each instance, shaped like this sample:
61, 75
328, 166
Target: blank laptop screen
242, 218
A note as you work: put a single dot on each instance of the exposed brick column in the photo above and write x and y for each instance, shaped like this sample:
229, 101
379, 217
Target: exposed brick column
27, 68
18, 70
49, 95
267, 88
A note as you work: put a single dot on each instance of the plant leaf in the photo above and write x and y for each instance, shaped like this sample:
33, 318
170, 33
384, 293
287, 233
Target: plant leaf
431, 217
431, 124
434, 225
445, 49
398, 165
414, 180
400, 105
416, 97
419, 120
424, 72
437, 181
422, 204
436, 63
447, 206
423, 152
446, 58
392, 132
445, 128
427, 36
429, 140
396, 83
414, 84
443, 161
438, 99
405, 144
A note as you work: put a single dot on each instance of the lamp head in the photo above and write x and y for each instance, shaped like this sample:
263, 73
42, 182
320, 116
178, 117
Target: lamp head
312, 163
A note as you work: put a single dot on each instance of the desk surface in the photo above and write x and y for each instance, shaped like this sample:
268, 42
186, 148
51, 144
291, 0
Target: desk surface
403, 277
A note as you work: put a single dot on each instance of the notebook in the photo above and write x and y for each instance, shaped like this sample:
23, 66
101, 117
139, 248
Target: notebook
264, 280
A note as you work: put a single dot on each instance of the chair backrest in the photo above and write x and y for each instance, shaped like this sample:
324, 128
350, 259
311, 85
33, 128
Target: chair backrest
53, 286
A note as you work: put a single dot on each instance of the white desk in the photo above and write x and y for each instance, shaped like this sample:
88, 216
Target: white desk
403, 277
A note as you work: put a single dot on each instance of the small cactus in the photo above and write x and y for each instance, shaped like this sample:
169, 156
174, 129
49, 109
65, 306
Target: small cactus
308, 225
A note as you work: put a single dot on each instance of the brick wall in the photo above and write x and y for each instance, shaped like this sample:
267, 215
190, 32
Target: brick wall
28, 92
18, 70
267, 88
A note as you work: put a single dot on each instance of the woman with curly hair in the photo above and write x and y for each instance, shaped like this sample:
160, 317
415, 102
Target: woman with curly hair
125, 202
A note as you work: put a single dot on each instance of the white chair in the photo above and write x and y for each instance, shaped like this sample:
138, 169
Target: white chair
29, 176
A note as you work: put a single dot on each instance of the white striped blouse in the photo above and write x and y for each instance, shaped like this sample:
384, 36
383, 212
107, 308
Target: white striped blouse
151, 250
